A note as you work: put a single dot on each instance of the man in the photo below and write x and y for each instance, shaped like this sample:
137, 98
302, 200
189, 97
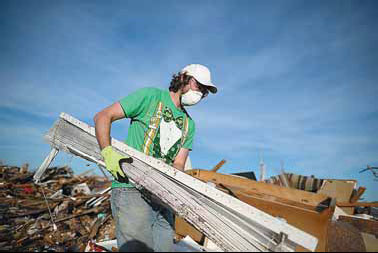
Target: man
160, 127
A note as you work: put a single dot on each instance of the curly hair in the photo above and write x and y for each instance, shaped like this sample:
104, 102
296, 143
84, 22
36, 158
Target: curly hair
178, 81
181, 79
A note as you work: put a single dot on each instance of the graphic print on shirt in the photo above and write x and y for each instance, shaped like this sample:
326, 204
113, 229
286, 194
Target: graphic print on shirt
166, 134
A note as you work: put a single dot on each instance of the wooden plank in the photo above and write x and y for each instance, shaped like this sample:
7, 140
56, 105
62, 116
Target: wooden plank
340, 189
362, 204
273, 192
183, 229
310, 221
218, 166
46, 163
93, 210
235, 208
358, 195
348, 210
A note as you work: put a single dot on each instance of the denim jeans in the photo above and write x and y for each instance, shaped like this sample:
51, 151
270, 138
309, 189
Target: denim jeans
142, 224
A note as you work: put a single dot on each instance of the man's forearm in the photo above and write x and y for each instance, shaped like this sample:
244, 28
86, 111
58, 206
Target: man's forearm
179, 166
102, 126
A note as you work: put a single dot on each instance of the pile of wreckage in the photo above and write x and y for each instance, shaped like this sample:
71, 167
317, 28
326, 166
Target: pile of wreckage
325, 208
217, 212
63, 213
80, 218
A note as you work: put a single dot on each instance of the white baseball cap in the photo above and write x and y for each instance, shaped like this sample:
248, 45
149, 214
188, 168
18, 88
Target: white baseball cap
201, 74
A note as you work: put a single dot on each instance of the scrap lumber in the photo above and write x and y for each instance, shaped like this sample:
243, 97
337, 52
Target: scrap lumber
230, 223
307, 211
93, 210
342, 190
219, 165
53, 153
268, 191
305, 218
362, 204
183, 229
25, 222
355, 197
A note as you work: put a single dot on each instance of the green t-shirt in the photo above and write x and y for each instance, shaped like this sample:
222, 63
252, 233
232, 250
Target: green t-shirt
158, 128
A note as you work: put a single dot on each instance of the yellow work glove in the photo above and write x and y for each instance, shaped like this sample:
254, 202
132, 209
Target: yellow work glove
112, 161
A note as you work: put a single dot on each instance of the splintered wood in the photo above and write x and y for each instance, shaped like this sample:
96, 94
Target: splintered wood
26, 225
230, 223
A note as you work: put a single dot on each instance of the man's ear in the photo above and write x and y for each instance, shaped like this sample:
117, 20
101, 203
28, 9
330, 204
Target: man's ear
183, 87
181, 77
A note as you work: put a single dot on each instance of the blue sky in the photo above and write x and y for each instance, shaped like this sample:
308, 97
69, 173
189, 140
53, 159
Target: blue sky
298, 80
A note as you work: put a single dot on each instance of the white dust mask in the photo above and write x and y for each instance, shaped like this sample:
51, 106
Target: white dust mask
191, 98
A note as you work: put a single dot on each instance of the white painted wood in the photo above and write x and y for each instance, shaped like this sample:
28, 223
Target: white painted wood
67, 137
46, 163
250, 213
223, 230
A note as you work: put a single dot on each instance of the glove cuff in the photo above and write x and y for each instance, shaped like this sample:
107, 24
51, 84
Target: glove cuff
106, 151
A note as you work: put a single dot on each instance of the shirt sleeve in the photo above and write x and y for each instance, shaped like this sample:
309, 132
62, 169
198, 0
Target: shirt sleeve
137, 102
189, 140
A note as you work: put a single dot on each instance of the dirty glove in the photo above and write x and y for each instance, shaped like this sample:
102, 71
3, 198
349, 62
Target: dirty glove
113, 161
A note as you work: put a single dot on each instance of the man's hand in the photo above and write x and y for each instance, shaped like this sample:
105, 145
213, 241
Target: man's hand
180, 159
112, 160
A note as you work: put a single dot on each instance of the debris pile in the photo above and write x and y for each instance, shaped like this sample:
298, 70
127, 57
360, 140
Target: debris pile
328, 209
63, 213
345, 192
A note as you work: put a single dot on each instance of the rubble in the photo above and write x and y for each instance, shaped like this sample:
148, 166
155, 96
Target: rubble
55, 210
345, 192
63, 221
80, 218
326, 208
